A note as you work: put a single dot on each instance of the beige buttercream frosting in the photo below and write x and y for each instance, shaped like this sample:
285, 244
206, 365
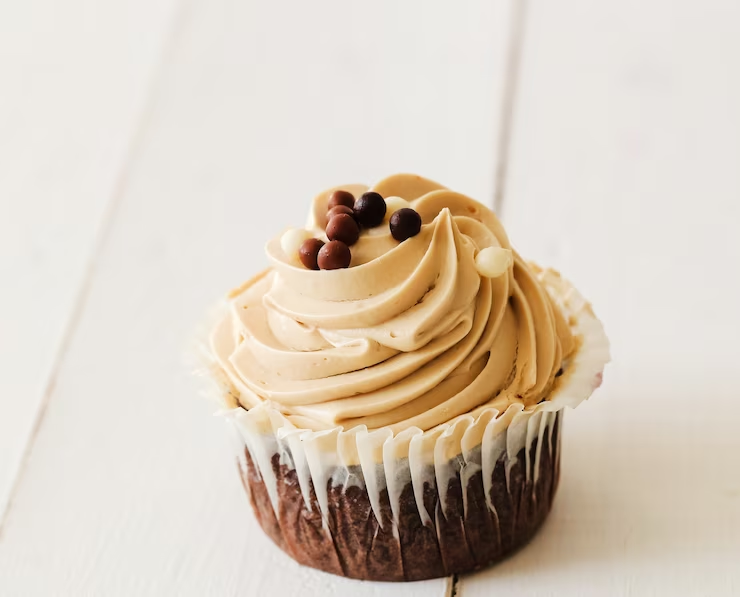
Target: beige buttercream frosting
410, 335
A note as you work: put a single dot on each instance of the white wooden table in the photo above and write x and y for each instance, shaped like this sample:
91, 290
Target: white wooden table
148, 149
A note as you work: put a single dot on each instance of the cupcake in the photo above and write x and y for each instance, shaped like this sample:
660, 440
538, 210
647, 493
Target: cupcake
398, 377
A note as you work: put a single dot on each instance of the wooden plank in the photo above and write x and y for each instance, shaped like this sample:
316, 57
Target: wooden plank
131, 487
73, 83
624, 174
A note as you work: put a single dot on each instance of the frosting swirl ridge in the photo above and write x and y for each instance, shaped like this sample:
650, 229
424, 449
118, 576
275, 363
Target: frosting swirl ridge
411, 334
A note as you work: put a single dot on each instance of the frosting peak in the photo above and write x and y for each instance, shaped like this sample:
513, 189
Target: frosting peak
409, 335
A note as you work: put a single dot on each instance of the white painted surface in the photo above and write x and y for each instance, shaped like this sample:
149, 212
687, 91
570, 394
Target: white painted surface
624, 174
74, 79
130, 488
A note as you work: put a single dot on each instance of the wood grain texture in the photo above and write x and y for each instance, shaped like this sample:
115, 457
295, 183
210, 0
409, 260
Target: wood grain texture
74, 79
624, 174
131, 487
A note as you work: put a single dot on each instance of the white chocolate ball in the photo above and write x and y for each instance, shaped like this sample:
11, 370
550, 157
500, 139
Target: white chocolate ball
493, 262
291, 241
393, 204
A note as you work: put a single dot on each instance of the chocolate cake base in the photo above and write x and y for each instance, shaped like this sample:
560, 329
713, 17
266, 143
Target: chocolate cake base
352, 543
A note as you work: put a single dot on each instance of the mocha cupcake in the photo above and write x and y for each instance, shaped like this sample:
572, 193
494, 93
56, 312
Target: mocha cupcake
398, 376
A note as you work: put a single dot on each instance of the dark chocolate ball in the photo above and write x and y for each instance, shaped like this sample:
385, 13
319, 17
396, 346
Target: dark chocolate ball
343, 227
339, 209
309, 252
334, 255
340, 197
370, 209
405, 223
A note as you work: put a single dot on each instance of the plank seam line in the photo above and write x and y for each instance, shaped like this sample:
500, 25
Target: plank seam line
508, 100
104, 228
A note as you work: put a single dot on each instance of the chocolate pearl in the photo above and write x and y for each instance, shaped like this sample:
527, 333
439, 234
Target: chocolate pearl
309, 252
370, 209
343, 227
340, 197
405, 223
339, 209
334, 255
493, 262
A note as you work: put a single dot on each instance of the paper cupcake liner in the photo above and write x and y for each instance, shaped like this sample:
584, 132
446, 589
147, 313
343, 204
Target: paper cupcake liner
389, 468
479, 520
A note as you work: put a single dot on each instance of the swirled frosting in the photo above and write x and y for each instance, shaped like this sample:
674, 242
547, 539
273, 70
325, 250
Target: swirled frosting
409, 335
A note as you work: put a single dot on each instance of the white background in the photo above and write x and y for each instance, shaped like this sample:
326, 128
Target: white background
149, 148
